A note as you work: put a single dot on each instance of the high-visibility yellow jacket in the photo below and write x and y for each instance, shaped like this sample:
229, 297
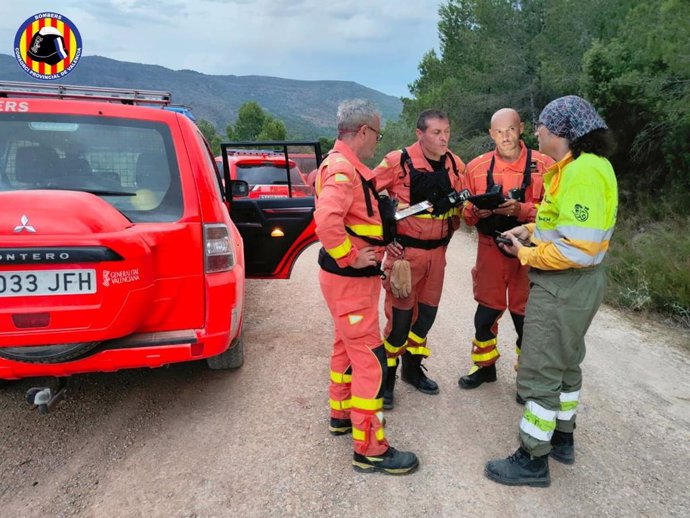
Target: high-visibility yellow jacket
576, 219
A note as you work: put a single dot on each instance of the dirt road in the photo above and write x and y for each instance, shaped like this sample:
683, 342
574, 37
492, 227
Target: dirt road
188, 442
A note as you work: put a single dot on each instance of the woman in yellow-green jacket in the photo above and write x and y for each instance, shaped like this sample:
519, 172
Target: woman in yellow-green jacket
565, 248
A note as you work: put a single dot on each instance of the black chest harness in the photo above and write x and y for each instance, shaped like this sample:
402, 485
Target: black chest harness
498, 222
433, 186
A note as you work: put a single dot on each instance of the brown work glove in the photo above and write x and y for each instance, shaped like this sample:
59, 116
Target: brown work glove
401, 278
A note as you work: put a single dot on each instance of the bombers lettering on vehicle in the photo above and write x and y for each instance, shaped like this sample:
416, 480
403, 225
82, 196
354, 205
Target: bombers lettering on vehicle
13, 106
149, 238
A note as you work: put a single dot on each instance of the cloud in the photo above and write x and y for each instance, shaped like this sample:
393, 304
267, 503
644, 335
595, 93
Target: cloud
373, 43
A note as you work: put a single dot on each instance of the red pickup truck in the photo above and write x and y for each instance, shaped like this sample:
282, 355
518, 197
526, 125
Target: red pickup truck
122, 244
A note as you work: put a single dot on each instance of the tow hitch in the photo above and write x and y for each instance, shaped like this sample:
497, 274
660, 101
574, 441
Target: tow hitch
45, 398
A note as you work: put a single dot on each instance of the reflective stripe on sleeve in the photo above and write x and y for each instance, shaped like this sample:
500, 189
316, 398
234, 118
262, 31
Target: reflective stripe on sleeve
569, 403
538, 422
341, 250
339, 377
391, 362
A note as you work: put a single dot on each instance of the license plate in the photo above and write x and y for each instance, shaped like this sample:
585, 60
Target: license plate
47, 282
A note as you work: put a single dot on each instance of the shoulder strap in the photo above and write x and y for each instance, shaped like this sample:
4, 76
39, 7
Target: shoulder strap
490, 173
369, 191
452, 161
527, 175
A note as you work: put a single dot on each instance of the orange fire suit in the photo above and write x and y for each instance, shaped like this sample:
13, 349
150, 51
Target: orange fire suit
494, 274
427, 266
358, 359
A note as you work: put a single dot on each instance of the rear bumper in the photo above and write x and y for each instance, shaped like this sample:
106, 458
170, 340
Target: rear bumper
136, 351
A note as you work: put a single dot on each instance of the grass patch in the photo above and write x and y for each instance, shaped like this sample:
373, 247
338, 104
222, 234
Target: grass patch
649, 266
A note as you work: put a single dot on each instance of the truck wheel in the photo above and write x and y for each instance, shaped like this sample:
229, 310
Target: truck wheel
57, 353
233, 358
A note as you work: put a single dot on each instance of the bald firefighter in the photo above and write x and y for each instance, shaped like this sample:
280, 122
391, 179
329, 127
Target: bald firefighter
350, 228
500, 281
426, 170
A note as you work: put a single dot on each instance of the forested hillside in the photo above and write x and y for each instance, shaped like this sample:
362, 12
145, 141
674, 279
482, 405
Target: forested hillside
631, 59
307, 107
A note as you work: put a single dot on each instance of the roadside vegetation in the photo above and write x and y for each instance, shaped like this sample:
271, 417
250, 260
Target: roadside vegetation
630, 58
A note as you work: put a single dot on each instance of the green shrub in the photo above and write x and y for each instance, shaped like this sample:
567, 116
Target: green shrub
649, 265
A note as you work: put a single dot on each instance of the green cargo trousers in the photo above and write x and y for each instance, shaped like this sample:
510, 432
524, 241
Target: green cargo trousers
560, 308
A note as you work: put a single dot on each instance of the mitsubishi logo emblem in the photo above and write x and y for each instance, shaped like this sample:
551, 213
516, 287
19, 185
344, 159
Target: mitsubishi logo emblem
24, 225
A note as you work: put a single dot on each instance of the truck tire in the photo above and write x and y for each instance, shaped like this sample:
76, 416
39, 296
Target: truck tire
233, 358
56, 353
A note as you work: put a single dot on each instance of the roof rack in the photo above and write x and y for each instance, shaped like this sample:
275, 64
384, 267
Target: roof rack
94, 93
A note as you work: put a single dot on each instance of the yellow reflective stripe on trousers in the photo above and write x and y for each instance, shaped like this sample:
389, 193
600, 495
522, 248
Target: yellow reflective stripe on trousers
391, 362
538, 422
341, 250
416, 339
391, 348
486, 343
361, 435
367, 404
485, 357
345, 404
569, 402
367, 230
419, 351
339, 377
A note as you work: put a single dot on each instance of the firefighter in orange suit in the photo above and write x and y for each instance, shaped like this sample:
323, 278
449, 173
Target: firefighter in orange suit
426, 170
496, 276
349, 226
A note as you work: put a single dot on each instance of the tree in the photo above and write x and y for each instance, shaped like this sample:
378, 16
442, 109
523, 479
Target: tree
253, 124
641, 81
208, 130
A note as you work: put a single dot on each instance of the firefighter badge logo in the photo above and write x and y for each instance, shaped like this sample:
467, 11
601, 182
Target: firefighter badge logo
581, 212
47, 46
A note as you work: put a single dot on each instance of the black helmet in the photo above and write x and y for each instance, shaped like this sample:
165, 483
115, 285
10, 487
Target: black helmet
48, 46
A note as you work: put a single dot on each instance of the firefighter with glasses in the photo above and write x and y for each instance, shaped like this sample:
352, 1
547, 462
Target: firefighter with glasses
350, 227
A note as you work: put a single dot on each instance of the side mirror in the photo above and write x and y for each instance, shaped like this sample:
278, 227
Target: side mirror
239, 188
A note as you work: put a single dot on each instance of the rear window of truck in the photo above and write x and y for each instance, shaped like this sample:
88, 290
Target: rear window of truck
129, 163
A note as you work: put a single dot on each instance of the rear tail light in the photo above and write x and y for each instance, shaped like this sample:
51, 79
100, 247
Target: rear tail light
219, 254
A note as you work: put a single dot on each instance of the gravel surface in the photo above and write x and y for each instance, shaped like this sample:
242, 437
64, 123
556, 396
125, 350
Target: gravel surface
185, 441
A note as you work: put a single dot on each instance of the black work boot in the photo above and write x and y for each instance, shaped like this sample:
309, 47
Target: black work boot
413, 373
563, 447
519, 399
392, 462
388, 386
477, 376
339, 426
520, 469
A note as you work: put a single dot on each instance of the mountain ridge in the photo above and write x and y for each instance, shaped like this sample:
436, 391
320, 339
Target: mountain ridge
307, 107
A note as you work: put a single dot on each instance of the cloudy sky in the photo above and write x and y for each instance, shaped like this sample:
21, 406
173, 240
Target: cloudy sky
377, 43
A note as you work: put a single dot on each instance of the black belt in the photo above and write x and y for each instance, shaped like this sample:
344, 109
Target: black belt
328, 264
425, 244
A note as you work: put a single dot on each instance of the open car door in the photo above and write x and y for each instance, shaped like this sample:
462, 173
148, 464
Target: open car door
274, 210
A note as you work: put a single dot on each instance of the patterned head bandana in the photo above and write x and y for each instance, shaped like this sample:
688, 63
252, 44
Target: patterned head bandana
571, 117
